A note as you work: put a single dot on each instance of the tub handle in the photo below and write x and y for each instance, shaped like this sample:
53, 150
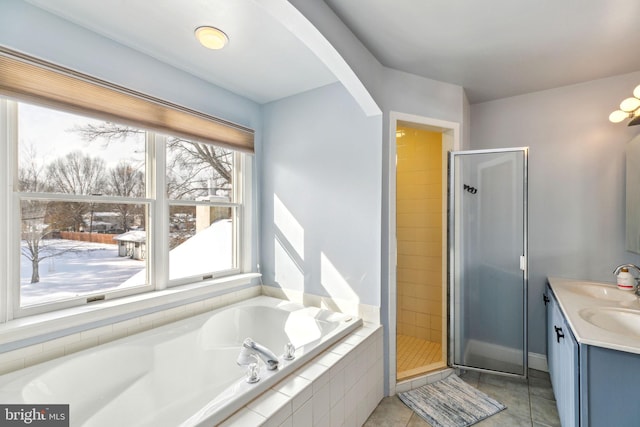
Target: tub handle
253, 372
289, 352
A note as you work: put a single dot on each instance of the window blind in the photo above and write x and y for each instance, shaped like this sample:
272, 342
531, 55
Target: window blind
32, 80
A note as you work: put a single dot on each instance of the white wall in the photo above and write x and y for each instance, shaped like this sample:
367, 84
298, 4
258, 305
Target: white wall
320, 196
576, 180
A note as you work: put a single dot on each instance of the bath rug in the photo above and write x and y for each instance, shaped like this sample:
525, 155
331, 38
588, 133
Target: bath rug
451, 402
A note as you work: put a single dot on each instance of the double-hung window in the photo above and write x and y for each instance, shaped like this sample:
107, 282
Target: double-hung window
76, 192
204, 194
100, 208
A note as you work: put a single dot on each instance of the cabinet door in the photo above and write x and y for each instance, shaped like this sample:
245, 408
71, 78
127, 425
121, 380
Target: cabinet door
562, 354
551, 337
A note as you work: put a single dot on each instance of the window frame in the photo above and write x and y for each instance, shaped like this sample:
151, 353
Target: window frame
238, 228
157, 225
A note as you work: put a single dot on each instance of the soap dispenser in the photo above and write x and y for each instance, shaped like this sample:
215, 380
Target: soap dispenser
625, 281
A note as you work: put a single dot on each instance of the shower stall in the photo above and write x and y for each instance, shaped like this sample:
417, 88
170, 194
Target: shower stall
421, 251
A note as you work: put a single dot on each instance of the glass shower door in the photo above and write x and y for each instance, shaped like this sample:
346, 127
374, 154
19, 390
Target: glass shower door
487, 260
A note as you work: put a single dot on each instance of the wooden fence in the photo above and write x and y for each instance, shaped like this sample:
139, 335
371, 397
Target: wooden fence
89, 237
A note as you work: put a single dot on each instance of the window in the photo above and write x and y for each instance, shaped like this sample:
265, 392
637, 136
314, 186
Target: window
95, 219
79, 187
203, 208
107, 192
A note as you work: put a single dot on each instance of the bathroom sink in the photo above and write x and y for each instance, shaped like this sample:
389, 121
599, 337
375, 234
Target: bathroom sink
618, 320
603, 292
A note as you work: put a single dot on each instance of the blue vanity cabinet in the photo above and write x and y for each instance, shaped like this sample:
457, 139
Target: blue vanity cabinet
594, 386
562, 358
610, 387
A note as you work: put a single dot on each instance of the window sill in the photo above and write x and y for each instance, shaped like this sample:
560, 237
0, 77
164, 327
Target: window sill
39, 328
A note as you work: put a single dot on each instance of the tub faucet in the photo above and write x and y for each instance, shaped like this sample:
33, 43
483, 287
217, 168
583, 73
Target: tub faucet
252, 348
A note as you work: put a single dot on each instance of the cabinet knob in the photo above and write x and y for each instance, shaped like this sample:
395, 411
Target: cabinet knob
559, 333
546, 299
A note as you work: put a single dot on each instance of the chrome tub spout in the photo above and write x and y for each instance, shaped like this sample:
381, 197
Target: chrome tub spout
252, 348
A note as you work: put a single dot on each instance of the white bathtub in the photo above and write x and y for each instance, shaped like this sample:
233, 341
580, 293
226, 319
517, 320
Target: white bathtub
183, 373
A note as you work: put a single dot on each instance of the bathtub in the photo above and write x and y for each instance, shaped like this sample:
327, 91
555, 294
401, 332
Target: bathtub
181, 374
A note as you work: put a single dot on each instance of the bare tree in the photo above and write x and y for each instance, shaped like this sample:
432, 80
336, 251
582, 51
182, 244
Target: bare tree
193, 170
30, 173
38, 218
197, 169
127, 181
188, 166
37, 232
33, 230
77, 173
105, 131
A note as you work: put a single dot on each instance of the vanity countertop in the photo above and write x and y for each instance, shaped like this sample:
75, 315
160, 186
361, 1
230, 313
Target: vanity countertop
599, 313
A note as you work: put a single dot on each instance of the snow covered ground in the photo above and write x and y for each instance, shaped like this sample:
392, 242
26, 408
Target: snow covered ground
89, 268
94, 267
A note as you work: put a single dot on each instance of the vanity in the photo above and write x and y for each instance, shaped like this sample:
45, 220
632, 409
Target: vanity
593, 352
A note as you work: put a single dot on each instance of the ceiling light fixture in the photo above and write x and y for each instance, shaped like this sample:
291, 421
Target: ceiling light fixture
629, 108
211, 37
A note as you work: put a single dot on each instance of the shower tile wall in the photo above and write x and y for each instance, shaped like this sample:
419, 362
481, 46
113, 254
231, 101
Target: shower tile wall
419, 234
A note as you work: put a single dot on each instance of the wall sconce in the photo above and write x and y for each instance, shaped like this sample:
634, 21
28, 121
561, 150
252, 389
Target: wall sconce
629, 108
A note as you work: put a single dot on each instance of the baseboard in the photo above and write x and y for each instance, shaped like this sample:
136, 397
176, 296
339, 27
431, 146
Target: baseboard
538, 362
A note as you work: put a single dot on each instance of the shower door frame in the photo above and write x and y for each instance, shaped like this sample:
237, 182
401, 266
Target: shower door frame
453, 243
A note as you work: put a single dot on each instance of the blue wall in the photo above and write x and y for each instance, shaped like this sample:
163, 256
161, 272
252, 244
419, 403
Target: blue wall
320, 196
576, 180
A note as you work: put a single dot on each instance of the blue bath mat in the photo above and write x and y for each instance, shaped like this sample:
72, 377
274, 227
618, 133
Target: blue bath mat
451, 402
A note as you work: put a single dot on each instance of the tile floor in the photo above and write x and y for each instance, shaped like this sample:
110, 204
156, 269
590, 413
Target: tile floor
529, 403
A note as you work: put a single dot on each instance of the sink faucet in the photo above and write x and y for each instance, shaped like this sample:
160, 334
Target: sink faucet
621, 266
635, 267
252, 348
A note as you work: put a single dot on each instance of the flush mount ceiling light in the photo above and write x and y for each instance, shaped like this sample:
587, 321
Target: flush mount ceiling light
629, 108
211, 37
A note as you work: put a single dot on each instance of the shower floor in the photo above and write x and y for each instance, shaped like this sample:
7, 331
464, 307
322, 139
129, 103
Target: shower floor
416, 356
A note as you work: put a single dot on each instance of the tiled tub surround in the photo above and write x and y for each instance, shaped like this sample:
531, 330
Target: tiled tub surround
341, 387
360, 352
